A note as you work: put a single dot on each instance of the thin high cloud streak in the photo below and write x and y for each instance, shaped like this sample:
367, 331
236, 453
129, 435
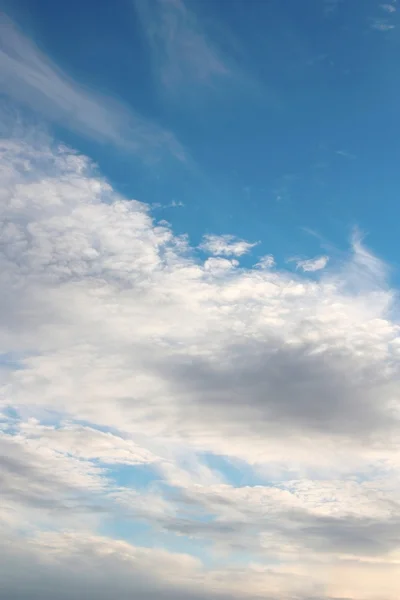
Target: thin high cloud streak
115, 322
182, 54
30, 78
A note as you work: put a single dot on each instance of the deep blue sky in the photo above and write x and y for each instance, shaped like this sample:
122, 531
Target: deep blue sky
302, 134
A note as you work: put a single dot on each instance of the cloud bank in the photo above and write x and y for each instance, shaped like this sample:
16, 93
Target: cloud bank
122, 348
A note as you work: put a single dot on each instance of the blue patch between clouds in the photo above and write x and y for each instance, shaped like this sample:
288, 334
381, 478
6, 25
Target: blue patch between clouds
133, 476
235, 472
10, 361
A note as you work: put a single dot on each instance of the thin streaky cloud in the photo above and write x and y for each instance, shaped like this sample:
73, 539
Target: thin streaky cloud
181, 50
388, 8
226, 245
346, 154
28, 76
331, 6
381, 25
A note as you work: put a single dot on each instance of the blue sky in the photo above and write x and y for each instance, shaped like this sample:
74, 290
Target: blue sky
286, 111
199, 318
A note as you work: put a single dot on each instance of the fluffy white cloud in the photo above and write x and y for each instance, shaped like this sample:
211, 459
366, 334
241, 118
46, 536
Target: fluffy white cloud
114, 323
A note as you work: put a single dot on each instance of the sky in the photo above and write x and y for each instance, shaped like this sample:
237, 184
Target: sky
199, 308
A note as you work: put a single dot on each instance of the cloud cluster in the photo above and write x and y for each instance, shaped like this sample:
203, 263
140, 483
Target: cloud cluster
122, 346
94, 293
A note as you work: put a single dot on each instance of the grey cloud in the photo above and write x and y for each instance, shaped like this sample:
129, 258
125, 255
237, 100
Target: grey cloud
119, 325
267, 355
98, 574
262, 529
38, 481
270, 387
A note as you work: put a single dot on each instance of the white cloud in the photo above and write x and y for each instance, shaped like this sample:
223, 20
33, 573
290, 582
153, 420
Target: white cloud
266, 262
312, 264
226, 245
97, 290
301, 517
40, 484
114, 323
86, 443
29, 77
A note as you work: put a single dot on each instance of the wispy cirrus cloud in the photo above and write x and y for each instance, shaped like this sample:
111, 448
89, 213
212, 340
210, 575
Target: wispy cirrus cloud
266, 262
389, 8
384, 23
331, 6
28, 76
346, 154
381, 25
312, 264
182, 53
226, 245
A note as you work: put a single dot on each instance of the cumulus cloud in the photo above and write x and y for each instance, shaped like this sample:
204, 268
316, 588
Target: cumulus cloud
281, 352
128, 349
226, 245
30, 77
